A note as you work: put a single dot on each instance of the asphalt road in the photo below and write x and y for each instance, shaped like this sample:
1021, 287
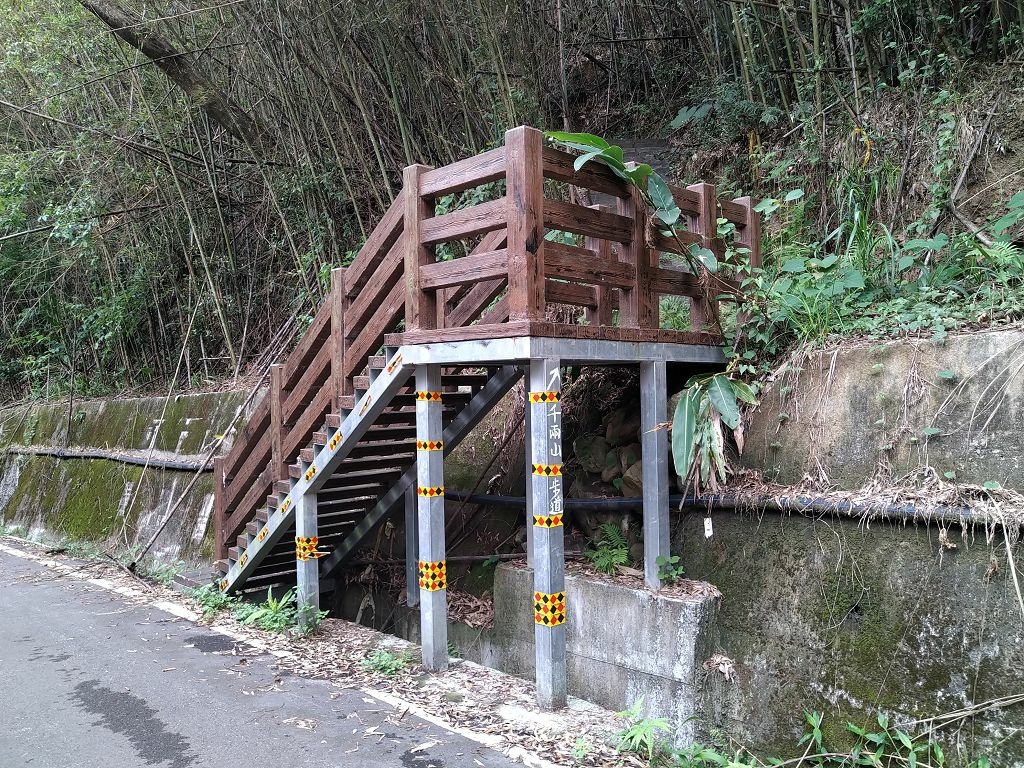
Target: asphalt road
89, 681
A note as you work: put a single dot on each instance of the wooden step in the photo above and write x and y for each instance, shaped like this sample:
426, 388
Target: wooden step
262, 515
283, 486
254, 527
306, 455
371, 474
377, 361
320, 438
242, 540
333, 420
378, 461
222, 566
272, 502
409, 398
328, 495
234, 553
383, 447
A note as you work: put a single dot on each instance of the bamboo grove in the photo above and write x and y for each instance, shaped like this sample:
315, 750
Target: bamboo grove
177, 179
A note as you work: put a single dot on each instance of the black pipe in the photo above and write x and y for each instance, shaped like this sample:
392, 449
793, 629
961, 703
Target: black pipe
804, 505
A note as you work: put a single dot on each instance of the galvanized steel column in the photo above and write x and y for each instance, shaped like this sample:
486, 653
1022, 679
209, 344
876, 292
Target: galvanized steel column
307, 564
654, 446
432, 569
544, 448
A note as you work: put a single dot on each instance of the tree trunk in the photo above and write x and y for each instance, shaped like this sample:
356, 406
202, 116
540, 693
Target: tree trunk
131, 28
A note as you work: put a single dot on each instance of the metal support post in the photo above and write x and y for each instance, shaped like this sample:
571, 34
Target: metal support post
544, 447
654, 446
432, 569
307, 565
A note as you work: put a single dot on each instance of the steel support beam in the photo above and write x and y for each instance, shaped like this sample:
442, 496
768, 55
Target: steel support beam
654, 445
544, 454
412, 547
433, 571
307, 569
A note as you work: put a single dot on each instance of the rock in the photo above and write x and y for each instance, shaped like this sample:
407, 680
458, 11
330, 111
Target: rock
590, 451
636, 552
633, 480
612, 466
622, 426
629, 455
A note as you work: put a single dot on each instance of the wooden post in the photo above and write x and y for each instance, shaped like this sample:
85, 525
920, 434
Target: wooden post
339, 302
279, 461
602, 315
704, 312
638, 308
549, 600
654, 446
220, 548
432, 568
307, 564
525, 194
420, 305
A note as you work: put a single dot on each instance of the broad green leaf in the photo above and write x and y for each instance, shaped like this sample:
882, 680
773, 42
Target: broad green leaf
1003, 223
828, 261
768, 205
586, 139
930, 431
638, 172
904, 263
660, 194
684, 431
854, 278
668, 216
723, 398
584, 159
1017, 201
947, 375
992, 485
744, 392
706, 257
793, 194
796, 264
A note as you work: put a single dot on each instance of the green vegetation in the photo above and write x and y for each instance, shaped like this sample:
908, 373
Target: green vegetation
886, 746
212, 600
610, 551
669, 570
386, 663
273, 615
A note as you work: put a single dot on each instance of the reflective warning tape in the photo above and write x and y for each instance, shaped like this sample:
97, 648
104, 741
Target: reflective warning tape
243, 560
430, 445
285, 505
433, 397
430, 493
223, 585
310, 473
335, 441
433, 576
544, 397
366, 405
547, 470
547, 521
394, 364
305, 548
262, 535
549, 609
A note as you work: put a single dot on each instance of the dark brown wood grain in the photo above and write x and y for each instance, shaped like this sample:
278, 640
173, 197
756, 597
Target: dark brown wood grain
464, 174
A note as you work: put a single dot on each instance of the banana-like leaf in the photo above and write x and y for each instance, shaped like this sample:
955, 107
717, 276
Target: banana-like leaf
723, 397
684, 431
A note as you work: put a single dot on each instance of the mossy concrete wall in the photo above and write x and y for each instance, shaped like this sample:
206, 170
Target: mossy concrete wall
105, 500
836, 616
865, 411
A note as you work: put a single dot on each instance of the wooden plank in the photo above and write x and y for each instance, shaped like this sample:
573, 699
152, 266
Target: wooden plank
469, 333
525, 217
468, 269
466, 222
734, 211
464, 174
420, 306
704, 312
558, 165
309, 422
379, 242
258, 457
687, 200
370, 338
361, 308
638, 307
318, 375
476, 301
246, 508
602, 313
317, 333
277, 424
339, 304
496, 313
668, 244
674, 282
586, 221
582, 265
257, 425
571, 293
615, 333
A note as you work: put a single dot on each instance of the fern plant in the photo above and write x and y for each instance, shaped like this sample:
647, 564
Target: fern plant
610, 551
643, 736
273, 615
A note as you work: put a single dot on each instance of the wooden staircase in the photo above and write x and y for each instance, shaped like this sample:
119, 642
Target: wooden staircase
338, 423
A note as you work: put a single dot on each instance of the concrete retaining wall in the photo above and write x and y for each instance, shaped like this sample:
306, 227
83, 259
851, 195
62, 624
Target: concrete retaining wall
624, 645
104, 499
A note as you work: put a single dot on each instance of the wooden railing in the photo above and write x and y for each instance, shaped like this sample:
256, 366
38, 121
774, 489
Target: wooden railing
501, 285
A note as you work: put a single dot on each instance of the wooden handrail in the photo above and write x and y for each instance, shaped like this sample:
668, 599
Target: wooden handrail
503, 285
